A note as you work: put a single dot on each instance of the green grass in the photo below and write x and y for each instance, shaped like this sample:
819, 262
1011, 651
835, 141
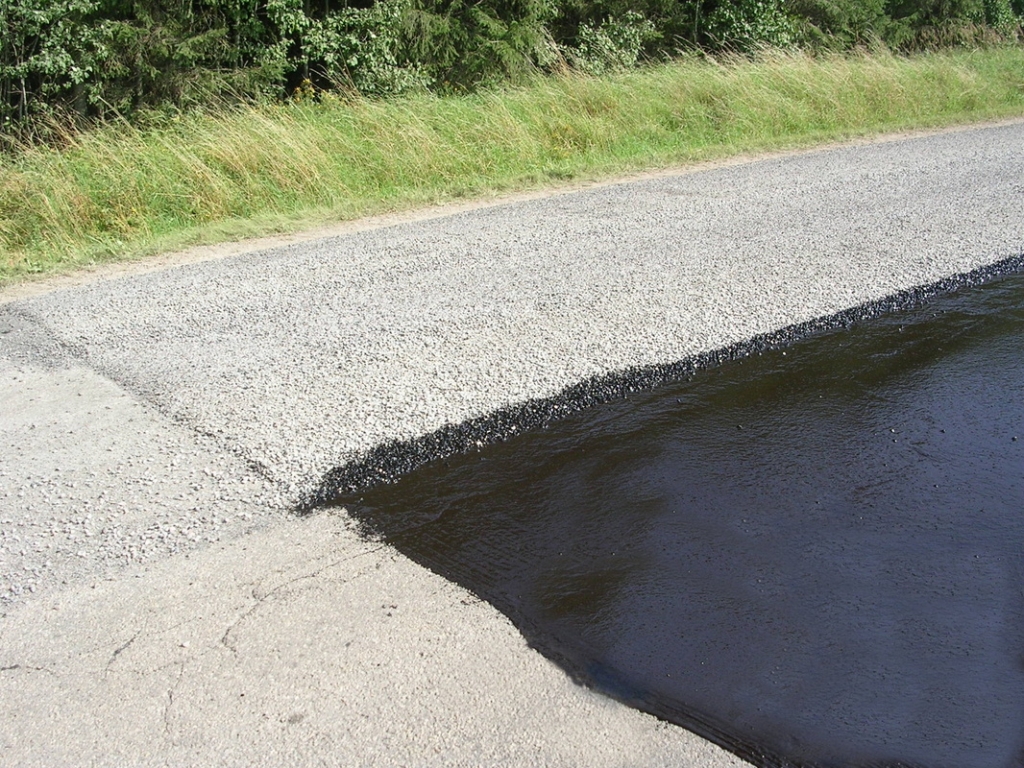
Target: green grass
120, 192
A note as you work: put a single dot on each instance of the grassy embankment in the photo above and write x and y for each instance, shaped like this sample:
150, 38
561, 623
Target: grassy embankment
120, 192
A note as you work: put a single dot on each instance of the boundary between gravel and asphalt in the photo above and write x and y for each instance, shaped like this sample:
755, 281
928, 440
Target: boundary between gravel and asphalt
388, 462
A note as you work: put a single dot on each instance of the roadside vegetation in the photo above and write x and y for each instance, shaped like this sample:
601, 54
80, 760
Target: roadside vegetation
131, 128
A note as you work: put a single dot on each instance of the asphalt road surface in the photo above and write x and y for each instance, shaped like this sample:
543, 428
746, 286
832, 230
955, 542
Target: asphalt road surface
159, 602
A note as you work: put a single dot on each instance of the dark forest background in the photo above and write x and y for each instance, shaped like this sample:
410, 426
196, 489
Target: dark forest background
64, 60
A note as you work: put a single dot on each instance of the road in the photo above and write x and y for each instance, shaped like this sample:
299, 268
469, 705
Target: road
160, 603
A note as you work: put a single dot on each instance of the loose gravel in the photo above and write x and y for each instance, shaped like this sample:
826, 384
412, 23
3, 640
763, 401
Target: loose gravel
93, 481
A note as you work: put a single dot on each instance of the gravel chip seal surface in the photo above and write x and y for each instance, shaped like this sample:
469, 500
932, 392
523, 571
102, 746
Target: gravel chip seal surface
300, 359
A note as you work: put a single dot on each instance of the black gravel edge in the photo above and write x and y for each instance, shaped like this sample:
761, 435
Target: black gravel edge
389, 461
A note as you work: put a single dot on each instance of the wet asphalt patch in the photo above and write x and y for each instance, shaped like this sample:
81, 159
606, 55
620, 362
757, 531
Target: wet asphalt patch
807, 548
391, 461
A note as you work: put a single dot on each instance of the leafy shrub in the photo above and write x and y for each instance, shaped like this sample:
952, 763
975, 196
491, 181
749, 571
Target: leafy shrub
101, 57
942, 23
749, 24
361, 48
615, 44
1001, 16
63, 60
46, 52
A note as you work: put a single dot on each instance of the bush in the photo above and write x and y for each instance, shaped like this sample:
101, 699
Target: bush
362, 49
614, 45
47, 52
749, 24
103, 57
942, 23
466, 43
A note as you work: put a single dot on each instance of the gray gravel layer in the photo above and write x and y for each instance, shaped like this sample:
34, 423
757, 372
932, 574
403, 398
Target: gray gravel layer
147, 421
93, 481
300, 358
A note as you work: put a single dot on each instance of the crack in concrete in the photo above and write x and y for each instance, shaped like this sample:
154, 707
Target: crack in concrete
226, 640
27, 668
120, 649
170, 701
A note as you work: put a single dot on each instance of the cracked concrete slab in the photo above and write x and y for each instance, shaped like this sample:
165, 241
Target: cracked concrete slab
301, 644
